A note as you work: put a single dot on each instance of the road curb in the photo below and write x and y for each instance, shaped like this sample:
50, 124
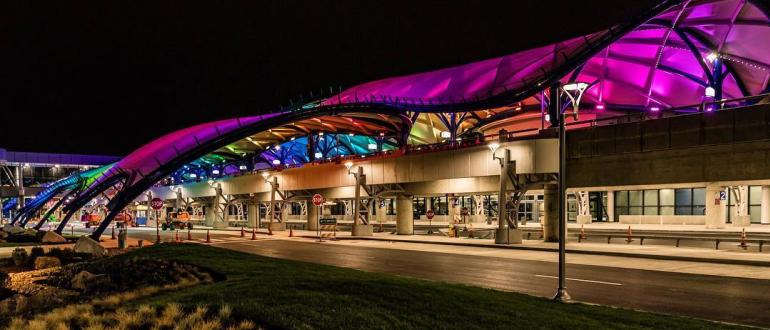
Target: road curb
586, 252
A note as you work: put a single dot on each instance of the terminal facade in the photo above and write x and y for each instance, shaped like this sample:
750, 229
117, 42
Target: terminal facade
667, 122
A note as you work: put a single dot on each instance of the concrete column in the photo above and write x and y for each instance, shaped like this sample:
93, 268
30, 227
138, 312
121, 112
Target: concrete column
453, 211
253, 214
178, 204
610, 206
211, 212
404, 215
382, 211
765, 218
312, 215
715, 208
551, 210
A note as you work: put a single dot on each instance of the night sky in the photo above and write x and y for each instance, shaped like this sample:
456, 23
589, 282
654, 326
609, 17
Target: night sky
105, 77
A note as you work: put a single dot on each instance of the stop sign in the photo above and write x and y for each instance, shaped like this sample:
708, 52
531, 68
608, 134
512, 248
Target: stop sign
430, 214
318, 199
156, 203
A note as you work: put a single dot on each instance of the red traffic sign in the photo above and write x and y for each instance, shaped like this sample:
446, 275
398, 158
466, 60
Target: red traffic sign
318, 200
430, 214
156, 203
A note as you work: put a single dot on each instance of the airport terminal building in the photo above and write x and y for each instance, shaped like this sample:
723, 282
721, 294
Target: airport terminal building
666, 116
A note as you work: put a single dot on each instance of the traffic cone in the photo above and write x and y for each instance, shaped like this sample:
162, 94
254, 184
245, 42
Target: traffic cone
629, 234
253, 233
242, 233
113, 232
743, 244
189, 234
176, 236
208, 236
582, 234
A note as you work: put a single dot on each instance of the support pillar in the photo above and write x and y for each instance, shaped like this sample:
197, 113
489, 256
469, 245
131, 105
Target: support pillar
505, 233
404, 215
610, 206
584, 210
551, 210
359, 209
715, 208
179, 202
765, 218
253, 214
312, 215
211, 210
221, 217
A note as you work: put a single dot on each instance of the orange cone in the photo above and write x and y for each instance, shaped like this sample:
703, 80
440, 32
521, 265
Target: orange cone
629, 234
743, 240
208, 236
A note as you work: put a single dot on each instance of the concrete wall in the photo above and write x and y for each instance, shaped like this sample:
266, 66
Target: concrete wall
711, 147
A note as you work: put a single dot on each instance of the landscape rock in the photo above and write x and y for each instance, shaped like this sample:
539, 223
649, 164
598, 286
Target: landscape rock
52, 237
87, 245
47, 262
13, 230
88, 282
30, 232
3, 235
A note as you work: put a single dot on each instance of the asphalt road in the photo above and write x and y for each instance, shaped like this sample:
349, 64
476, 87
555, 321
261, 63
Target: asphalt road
729, 299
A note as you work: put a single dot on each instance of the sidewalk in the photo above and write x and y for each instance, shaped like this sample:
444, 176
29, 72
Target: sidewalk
616, 250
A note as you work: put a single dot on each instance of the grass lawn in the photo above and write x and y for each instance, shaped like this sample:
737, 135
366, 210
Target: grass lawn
288, 294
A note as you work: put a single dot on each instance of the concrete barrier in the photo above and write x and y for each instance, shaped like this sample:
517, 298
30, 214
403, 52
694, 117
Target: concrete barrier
663, 219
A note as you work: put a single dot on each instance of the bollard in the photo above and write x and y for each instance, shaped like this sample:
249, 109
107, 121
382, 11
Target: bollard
140, 243
72, 230
242, 233
112, 236
176, 236
582, 234
743, 244
189, 234
628, 235
269, 230
291, 232
208, 236
542, 231
253, 234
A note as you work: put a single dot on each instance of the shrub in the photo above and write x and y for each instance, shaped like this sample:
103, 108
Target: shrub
19, 256
35, 252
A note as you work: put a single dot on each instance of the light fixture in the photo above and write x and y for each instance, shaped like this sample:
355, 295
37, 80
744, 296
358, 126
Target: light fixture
600, 106
276, 162
26, 165
57, 166
710, 92
351, 134
265, 174
293, 138
210, 182
547, 117
320, 133
493, 147
445, 135
712, 56
382, 134
215, 172
348, 165
193, 175
277, 147
578, 86
319, 155
372, 146
654, 109
243, 167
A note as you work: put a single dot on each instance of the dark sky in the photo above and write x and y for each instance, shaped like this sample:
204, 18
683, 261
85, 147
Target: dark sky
107, 76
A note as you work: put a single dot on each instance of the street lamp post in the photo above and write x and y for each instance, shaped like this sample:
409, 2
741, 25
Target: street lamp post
575, 93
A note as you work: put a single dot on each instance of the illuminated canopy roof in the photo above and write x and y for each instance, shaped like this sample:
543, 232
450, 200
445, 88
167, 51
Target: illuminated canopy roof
677, 54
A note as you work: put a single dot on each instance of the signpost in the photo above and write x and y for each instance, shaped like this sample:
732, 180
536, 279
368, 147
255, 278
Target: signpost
318, 200
156, 204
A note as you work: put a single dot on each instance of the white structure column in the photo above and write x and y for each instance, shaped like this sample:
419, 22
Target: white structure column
253, 214
715, 208
740, 197
551, 210
584, 210
610, 206
404, 215
765, 220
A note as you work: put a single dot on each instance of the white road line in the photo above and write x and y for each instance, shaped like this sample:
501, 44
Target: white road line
582, 280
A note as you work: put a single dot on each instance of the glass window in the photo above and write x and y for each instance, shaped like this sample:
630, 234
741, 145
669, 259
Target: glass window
755, 195
666, 197
635, 198
699, 196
